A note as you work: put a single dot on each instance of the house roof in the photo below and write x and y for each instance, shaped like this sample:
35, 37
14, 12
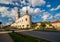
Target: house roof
57, 21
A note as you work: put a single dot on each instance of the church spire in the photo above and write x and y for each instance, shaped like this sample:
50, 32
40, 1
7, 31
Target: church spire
26, 7
18, 13
26, 10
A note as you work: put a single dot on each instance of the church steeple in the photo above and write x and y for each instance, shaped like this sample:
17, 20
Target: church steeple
26, 7
26, 10
18, 13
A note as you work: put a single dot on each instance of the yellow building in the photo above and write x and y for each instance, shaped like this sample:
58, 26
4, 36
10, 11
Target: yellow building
38, 24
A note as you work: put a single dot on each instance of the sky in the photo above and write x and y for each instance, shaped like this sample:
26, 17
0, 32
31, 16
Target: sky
40, 10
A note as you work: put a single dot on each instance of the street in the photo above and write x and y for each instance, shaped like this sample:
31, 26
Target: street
51, 36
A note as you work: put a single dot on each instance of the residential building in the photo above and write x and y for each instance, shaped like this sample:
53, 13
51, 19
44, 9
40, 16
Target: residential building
56, 24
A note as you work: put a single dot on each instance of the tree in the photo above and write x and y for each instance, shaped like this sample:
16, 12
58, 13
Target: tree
43, 25
0, 24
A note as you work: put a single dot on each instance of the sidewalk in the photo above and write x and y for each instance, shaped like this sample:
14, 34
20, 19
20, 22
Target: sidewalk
4, 37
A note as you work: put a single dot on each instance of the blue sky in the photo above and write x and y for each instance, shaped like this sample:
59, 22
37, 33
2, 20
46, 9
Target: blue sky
40, 10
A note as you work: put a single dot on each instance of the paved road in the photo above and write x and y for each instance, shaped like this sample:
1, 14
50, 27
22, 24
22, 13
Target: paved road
51, 36
5, 38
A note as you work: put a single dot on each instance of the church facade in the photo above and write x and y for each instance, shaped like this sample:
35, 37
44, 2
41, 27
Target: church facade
22, 22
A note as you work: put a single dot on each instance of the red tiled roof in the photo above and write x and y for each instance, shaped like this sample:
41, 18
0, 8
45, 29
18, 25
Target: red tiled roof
57, 21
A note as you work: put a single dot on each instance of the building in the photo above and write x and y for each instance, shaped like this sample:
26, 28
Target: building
36, 25
56, 24
22, 22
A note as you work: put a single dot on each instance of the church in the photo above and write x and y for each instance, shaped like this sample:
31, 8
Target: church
22, 21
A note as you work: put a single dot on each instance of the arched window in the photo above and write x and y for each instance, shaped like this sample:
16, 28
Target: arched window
22, 25
27, 26
26, 19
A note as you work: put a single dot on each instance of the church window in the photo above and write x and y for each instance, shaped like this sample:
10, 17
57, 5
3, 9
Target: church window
27, 25
26, 19
22, 25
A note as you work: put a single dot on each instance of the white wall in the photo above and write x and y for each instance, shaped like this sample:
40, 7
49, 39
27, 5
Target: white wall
22, 22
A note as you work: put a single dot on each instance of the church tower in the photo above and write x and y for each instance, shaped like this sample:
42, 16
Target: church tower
18, 13
27, 11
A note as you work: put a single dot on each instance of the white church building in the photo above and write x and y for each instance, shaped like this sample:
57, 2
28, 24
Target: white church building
22, 22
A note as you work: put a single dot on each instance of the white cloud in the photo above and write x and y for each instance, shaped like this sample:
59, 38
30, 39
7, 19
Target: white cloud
5, 12
43, 10
10, 19
58, 14
5, 1
23, 2
37, 2
14, 2
13, 13
55, 16
58, 7
3, 9
48, 5
45, 16
34, 2
37, 11
8, 23
33, 11
31, 2
51, 17
54, 9
10, 14
30, 10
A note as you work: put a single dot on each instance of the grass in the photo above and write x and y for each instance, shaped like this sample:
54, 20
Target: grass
24, 38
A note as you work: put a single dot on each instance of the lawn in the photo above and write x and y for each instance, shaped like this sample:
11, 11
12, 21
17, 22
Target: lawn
24, 38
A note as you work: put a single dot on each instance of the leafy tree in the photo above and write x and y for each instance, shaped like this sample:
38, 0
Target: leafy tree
43, 25
0, 24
